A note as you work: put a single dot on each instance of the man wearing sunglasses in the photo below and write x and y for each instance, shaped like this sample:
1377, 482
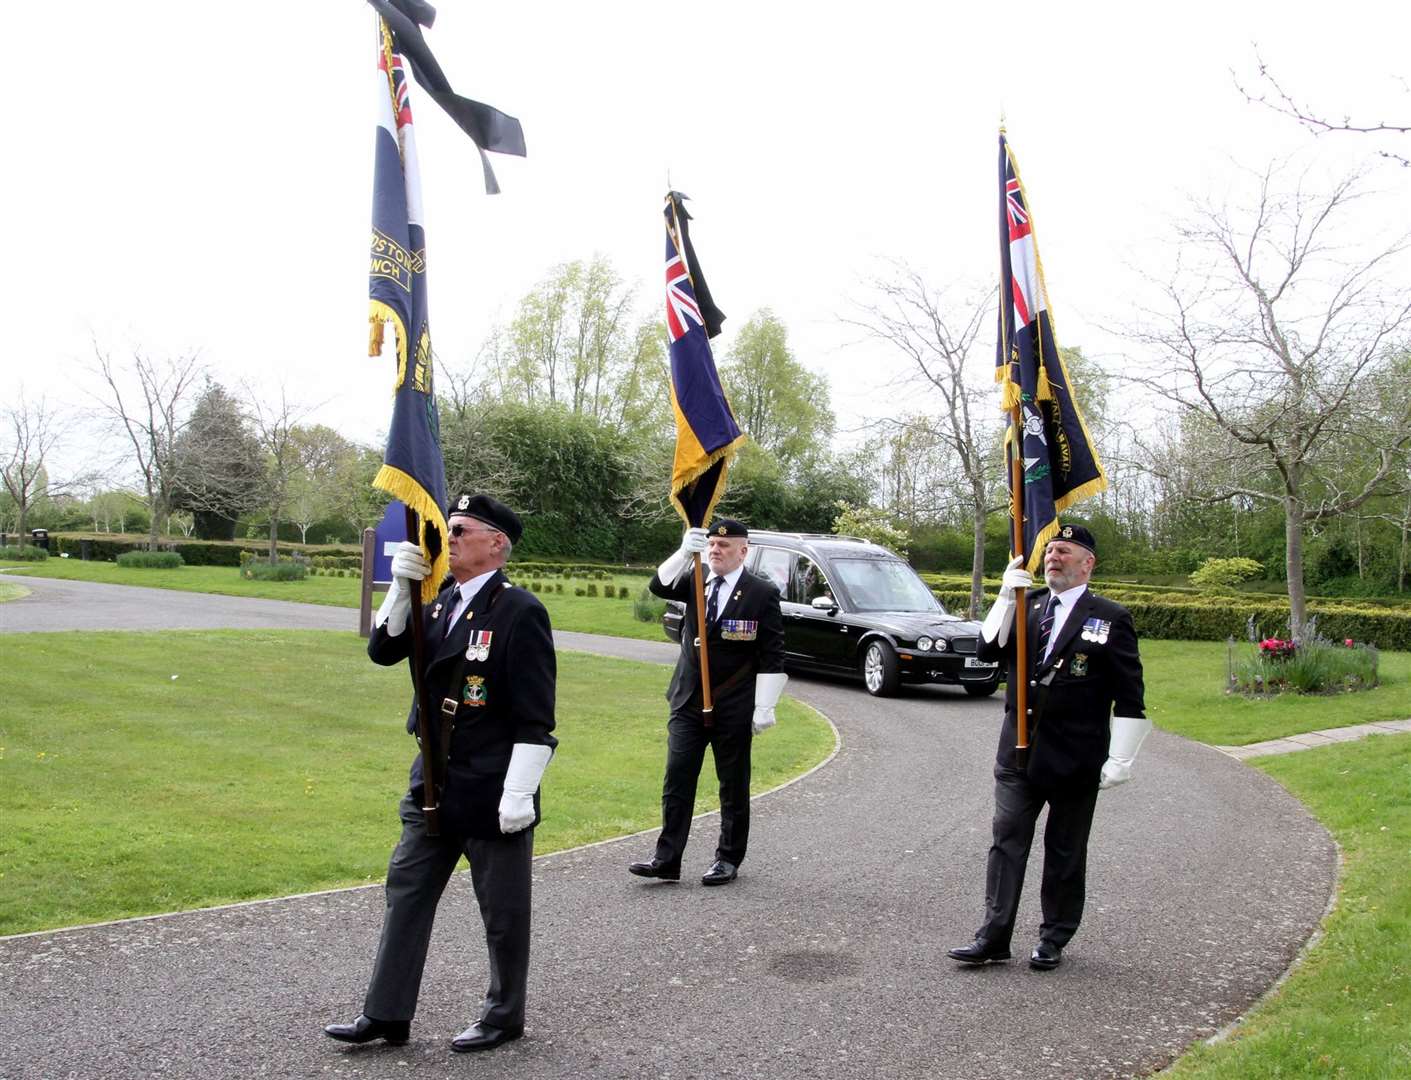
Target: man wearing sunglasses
490, 673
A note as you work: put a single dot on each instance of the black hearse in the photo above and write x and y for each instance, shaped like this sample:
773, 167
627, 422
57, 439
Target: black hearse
851, 606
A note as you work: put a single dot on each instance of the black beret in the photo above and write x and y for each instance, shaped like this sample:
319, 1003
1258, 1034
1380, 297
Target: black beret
1075, 534
728, 527
489, 510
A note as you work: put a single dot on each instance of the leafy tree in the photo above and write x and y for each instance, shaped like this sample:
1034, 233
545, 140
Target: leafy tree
218, 465
869, 523
777, 401
320, 454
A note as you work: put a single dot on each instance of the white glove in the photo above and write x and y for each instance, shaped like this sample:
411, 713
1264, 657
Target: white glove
1001, 616
1127, 735
692, 542
527, 764
408, 564
768, 689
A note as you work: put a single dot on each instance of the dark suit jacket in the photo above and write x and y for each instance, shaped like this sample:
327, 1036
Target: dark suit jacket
506, 698
757, 643
1091, 679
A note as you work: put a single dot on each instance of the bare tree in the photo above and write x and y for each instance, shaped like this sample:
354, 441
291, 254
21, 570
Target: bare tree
1274, 96
1281, 345
276, 430
152, 415
937, 335
33, 429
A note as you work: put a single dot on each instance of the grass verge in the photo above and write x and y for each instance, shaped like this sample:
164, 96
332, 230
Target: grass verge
585, 614
142, 773
1185, 694
1343, 1012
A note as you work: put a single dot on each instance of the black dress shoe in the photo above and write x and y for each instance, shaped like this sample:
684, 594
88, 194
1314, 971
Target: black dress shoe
979, 952
365, 1029
720, 873
655, 869
483, 1036
1046, 956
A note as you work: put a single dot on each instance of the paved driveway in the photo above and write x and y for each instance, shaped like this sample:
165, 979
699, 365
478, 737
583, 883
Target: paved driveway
825, 959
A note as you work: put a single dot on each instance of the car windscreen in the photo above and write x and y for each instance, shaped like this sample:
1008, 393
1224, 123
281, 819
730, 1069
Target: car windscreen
885, 585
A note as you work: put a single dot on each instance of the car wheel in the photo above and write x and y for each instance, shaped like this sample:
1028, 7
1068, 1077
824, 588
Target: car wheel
983, 689
879, 669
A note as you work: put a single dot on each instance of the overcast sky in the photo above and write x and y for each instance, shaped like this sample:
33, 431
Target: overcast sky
198, 176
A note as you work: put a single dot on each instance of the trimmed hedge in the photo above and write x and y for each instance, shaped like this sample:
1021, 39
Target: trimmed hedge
150, 560
281, 571
1215, 618
23, 553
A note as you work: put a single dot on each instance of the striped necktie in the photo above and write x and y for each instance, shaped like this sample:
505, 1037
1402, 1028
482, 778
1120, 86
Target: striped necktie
713, 603
1046, 626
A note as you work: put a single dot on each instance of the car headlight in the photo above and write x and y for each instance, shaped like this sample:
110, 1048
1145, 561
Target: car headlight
923, 643
940, 644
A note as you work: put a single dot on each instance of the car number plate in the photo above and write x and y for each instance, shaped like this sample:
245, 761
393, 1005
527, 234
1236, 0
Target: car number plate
970, 661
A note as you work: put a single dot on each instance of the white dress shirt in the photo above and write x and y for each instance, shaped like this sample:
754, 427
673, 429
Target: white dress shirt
726, 588
1066, 601
466, 593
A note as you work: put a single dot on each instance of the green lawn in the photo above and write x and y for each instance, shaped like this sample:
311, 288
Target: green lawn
586, 614
1185, 694
1343, 1012
183, 769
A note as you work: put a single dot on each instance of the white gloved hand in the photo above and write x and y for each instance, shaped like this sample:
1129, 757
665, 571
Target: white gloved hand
527, 764
1126, 739
408, 564
1001, 615
767, 691
692, 542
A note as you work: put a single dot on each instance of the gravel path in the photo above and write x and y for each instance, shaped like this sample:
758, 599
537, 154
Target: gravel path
825, 959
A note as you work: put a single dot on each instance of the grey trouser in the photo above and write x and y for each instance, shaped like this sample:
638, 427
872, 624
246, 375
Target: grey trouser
500, 870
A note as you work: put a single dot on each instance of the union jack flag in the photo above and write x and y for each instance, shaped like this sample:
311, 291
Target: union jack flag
1061, 465
681, 306
706, 433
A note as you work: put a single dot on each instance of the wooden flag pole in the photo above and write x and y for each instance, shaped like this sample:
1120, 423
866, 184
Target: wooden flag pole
707, 705
430, 766
1021, 612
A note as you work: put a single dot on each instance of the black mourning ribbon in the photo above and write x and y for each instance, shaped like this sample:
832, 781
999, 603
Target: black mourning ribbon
487, 127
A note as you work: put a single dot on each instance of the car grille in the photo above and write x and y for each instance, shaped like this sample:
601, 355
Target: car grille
963, 645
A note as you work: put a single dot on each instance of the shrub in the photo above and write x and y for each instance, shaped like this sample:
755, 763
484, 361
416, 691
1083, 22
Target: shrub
280, 571
150, 560
1217, 574
1316, 666
535, 585
23, 553
591, 590
648, 608
558, 586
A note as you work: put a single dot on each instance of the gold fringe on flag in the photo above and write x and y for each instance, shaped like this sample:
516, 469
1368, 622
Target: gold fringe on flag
401, 486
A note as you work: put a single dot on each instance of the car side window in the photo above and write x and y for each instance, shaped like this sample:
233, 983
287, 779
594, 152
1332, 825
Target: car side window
775, 565
808, 582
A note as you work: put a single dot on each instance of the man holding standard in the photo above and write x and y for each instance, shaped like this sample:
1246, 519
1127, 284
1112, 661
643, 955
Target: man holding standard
490, 670
1084, 668
745, 651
